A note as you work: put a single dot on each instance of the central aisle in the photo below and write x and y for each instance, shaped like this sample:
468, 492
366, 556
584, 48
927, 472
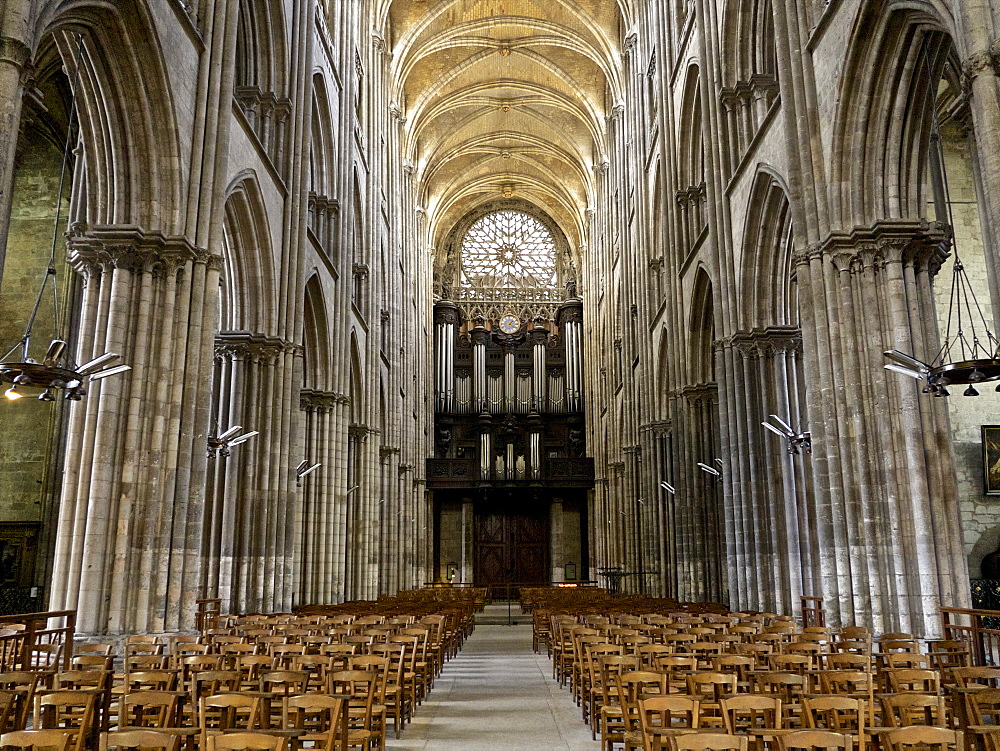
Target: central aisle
497, 694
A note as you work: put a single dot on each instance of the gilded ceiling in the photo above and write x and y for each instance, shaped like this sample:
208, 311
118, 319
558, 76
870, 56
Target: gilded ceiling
504, 98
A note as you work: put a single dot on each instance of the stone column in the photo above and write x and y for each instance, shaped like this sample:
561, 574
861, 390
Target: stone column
124, 512
889, 551
14, 72
557, 552
467, 566
979, 43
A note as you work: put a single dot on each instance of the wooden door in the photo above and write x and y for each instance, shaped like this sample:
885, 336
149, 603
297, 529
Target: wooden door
512, 546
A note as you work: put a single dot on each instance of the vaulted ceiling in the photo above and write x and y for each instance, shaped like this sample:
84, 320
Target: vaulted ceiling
504, 98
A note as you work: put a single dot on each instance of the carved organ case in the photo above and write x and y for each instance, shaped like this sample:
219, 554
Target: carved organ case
510, 474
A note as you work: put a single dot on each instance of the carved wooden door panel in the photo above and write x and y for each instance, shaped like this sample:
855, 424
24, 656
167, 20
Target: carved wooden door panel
512, 547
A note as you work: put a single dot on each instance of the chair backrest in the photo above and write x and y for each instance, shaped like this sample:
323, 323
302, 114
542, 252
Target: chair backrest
36, 740
913, 680
846, 681
749, 711
139, 739
900, 710
710, 742
152, 709
152, 680
64, 709
924, 736
985, 705
675, 712
710, 686
811, 740
899, 660
983, 676
841, 714
234, 711
323, 718
284, 682
245, 742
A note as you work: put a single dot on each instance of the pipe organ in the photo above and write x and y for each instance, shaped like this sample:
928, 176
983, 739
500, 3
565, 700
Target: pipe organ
510, 475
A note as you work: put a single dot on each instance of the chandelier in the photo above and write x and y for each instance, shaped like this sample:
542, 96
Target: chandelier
56, 371
970, 353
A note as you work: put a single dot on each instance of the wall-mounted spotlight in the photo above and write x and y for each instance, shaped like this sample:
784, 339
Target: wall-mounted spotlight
797, 439
221, 444
304, 469
708, 469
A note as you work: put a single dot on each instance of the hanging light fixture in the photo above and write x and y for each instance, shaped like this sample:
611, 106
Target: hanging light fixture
56, 371
970, 353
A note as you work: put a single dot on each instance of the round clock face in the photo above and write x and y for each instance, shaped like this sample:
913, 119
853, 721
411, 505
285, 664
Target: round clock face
510, 324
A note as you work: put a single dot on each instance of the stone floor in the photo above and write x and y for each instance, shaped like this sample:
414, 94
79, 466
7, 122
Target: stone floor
497, 694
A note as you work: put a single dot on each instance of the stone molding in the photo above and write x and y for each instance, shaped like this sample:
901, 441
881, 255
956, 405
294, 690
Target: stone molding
311, 400
251, 347
919, 244
131, 248
766, 342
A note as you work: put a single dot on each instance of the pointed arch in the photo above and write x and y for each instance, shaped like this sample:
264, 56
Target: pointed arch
126, 113
248, 290
702, 330
882, 127
316, 338
768, 278
322, 145
357, 384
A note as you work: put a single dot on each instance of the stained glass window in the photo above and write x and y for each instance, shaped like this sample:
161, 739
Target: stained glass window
508, 266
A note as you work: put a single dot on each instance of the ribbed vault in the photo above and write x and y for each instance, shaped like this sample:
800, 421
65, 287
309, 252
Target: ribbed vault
504, 99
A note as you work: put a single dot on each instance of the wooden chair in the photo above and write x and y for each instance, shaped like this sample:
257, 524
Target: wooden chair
709, 742
21, 685
74, 712
789, 687
101, 650
148, 709
358, 688
663, 716
36, 740
839, 714
397, 698
759, 717
632, 687
139, 739
710, 689
925, 737
321, 719
813, 740
223, 713
900, 710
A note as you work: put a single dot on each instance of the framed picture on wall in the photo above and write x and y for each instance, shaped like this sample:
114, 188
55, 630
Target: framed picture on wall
991, 459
